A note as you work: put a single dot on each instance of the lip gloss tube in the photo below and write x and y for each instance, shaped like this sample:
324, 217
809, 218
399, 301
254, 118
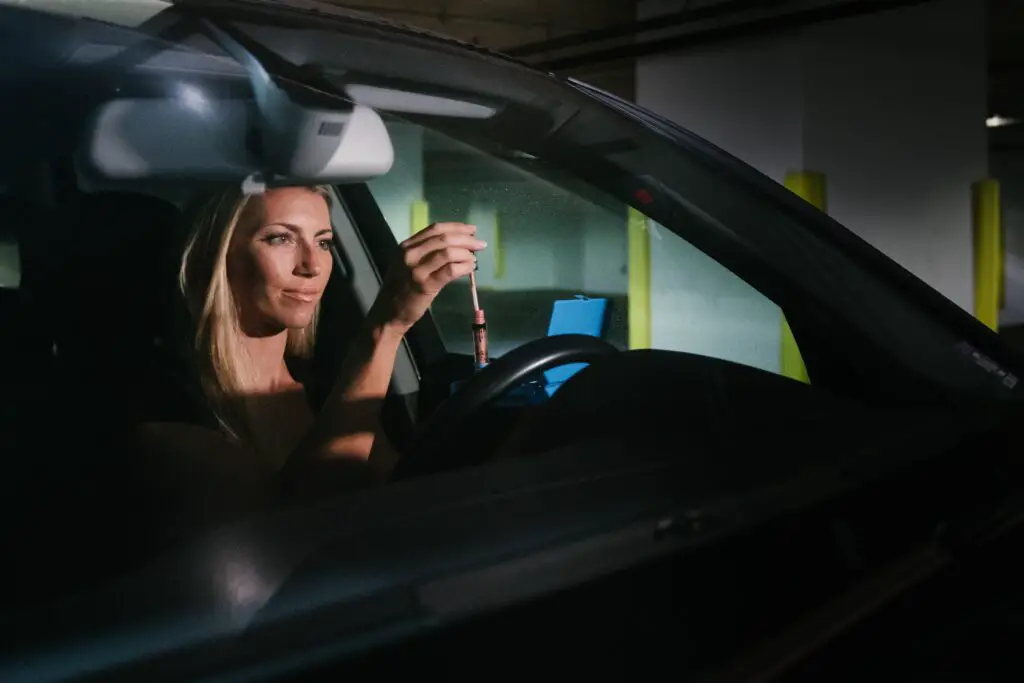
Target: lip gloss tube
479, 327
479, 339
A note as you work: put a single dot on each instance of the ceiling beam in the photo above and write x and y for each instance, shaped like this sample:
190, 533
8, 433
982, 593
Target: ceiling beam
743, 23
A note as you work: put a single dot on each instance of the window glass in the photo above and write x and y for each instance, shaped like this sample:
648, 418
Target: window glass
10, 260
552, 238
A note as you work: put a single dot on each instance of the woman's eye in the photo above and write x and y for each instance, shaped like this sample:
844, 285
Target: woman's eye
326, 244
276, 239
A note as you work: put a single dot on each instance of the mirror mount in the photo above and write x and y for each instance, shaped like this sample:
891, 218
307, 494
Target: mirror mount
295, 141
254, 184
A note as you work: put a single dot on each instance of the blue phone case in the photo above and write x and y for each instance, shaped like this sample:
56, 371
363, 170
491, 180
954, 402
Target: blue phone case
574, 316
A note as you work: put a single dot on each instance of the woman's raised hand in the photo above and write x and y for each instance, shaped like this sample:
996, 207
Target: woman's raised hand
427, 262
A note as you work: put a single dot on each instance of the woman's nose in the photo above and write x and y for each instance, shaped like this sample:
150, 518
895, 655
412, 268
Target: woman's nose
308, 265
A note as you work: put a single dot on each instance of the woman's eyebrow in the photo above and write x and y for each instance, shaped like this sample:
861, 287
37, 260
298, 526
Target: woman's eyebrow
295, 228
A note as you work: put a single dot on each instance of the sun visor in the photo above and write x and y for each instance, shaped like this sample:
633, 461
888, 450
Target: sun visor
190, 137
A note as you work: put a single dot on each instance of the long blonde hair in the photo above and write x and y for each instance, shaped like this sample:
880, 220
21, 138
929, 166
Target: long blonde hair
225, 370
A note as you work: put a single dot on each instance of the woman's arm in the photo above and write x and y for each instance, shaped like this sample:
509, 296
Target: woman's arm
348, 425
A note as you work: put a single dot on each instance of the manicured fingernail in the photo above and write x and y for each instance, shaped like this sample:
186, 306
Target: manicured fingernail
483, 245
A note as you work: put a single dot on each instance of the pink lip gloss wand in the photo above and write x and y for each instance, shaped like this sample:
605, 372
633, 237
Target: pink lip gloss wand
479, 327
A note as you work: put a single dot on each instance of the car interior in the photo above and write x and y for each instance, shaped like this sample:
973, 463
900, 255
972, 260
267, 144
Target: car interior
99, 323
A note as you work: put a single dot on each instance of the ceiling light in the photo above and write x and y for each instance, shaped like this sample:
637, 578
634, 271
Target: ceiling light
1000, 121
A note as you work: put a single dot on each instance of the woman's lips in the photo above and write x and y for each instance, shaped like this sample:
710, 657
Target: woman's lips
303, 296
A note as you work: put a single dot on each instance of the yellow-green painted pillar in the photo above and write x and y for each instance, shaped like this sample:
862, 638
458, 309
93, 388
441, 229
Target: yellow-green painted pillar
639, 283
811, 186
791, 362
988, 252
419, 216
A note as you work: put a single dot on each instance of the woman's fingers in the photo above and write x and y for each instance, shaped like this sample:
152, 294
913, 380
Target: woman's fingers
454, 242
430, 259
435, 229
451, 271
441, 253
426, 272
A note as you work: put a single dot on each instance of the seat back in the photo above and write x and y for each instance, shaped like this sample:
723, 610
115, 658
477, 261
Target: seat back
28, 233
116, 279
112, 334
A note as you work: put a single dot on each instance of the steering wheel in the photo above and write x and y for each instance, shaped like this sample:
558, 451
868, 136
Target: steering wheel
438, 437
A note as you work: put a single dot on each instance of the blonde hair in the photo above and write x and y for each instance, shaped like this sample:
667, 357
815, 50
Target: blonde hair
222, 362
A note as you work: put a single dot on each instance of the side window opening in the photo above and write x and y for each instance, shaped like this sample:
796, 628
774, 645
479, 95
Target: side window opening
552, 241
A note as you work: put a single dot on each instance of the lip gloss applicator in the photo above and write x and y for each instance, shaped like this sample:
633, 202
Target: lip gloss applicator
479, 327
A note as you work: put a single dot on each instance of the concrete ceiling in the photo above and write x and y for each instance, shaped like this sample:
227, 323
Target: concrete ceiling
1006, 71
508, 24
500, 23
503, 24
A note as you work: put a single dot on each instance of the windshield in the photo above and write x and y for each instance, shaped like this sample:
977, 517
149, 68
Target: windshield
581, 195
600, 219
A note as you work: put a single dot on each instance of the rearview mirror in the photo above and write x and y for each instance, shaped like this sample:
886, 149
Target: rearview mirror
271, 139
190, 137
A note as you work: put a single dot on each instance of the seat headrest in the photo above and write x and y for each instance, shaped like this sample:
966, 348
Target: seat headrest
118, 274
34, 231
126, 207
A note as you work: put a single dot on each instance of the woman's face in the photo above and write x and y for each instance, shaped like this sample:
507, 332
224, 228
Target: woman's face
279, 260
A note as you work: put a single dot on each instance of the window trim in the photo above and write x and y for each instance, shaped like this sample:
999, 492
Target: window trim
378, 242
364, 276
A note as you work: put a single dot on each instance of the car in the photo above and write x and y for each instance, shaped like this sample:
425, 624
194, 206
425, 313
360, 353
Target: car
679, 500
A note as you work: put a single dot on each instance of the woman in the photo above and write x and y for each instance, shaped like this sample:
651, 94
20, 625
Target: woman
253, 273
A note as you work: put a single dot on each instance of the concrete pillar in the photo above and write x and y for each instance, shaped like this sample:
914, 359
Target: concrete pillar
894, 115
604, 249
484, 215
889, 106
1008, 167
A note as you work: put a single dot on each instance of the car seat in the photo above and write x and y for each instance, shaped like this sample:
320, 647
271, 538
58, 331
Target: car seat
115, 334
40, 479
103, 301
25, 334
